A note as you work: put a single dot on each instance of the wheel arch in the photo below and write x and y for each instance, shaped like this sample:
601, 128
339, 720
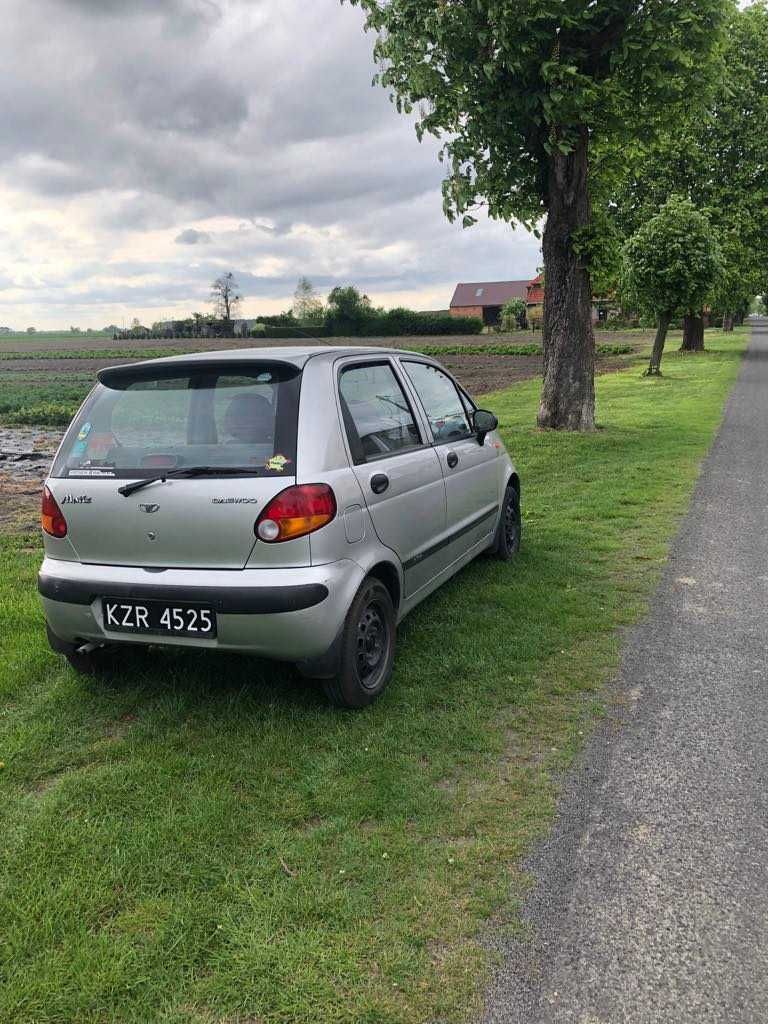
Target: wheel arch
386, 573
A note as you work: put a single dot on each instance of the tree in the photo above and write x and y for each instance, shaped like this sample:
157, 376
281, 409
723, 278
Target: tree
672, 264
31, 330
307, 306
347, 311
521, 91
513, 315
718, 157
226, 297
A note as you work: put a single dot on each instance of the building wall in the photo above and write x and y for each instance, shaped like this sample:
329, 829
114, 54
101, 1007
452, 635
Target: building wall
467, 311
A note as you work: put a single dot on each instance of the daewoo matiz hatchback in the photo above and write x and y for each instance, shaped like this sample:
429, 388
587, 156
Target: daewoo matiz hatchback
293, 503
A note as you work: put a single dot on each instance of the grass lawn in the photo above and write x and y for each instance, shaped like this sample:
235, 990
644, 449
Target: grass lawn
202, 841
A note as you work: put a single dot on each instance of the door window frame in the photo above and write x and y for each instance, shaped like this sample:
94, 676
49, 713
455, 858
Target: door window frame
463, 397
348, 424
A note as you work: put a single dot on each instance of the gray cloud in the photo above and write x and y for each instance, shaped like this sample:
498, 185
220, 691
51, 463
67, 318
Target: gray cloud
157, 113
190, 236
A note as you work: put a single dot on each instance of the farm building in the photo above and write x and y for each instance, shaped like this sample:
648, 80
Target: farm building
486, 299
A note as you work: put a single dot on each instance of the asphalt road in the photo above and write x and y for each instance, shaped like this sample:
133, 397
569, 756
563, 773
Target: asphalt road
651, 902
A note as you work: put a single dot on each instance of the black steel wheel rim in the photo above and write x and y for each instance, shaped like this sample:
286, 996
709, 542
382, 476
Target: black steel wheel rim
373, 641
511, 523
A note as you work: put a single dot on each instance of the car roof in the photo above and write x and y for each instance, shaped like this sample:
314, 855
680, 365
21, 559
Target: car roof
298, 354
295, 355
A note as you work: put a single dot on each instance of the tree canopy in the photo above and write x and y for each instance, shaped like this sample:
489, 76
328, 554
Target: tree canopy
517, 92
673, 262
307, 305
718, 157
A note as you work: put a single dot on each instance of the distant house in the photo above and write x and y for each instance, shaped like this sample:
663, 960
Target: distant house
486, 299
534, 300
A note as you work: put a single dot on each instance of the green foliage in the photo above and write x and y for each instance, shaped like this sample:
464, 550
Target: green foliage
307, 305
673, 261
508, 350
348, 311
513, 315
44, 414
403, 322
373, 323
506, 88
717, 157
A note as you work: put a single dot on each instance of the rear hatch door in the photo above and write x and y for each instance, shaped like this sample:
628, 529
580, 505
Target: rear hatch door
237, 421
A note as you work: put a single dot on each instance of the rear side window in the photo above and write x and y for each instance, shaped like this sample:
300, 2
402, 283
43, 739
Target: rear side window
141, 421
377, 416
445, 409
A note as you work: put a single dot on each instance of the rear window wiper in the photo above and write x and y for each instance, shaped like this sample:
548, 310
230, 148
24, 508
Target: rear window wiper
130, 489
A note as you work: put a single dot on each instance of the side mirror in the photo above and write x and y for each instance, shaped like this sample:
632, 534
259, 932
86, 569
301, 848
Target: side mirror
485, 422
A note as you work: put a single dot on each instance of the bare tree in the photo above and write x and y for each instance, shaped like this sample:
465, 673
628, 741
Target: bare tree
307, 306
225, 296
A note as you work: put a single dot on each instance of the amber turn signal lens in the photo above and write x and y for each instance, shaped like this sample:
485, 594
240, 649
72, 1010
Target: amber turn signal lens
295, 512
52, 518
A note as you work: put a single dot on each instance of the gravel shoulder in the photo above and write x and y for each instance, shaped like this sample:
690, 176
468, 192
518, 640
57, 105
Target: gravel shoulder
650, 903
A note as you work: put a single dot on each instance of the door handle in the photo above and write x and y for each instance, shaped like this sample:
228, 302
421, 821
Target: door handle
452, 459
379, 483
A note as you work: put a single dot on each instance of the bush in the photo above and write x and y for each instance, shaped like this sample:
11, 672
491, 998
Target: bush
371, 323
299, 331
513, 315
404, 322
43, 414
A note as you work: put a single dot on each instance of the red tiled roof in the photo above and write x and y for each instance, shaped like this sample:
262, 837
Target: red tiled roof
488, 293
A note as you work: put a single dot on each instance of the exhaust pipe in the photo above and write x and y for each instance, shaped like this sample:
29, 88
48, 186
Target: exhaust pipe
89, 648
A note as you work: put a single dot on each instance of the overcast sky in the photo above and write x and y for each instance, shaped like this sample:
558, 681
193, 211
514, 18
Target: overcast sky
148, 145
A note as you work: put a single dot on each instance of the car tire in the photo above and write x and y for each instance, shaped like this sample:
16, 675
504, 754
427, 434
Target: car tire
510, 528
367, 650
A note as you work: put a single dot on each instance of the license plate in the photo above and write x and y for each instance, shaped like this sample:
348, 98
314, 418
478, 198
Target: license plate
158, 618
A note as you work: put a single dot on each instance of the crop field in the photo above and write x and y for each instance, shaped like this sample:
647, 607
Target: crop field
43, 380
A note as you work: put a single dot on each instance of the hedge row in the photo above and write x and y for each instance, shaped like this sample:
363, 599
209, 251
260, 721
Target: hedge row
394, 324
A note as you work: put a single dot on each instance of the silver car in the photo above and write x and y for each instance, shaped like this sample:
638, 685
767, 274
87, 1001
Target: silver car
293, 503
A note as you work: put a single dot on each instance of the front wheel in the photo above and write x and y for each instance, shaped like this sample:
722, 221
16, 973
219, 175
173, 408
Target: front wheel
367, 648
509, 531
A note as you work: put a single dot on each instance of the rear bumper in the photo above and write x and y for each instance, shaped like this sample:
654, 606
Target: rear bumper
287, 614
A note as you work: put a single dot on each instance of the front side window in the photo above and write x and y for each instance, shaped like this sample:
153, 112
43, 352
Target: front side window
442, 402
141, 421
377, 416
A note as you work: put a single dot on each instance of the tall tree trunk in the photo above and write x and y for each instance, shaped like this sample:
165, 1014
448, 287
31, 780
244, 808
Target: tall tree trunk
693, 333
728, 323
654, 367
568, 395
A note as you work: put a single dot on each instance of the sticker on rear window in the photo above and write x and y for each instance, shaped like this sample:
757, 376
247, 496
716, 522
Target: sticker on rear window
277, 463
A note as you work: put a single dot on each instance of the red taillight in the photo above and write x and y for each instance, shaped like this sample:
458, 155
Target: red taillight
295, 512
52, 518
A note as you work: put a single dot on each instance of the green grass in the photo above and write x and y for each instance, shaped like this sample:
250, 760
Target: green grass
508, 350
200, 840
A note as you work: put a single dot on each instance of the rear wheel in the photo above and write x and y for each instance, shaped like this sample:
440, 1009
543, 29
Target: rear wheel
85, 663
509, 530
367, 648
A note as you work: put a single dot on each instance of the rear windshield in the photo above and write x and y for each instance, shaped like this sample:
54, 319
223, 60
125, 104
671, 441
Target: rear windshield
138, 423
